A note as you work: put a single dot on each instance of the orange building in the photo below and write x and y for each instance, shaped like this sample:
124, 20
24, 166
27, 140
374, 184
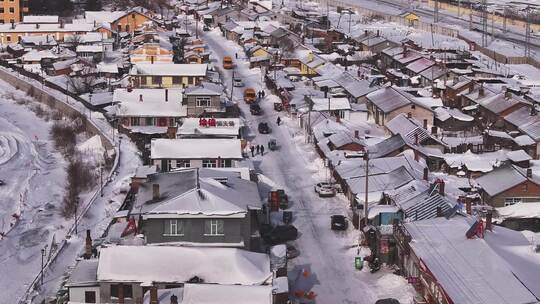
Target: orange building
12, 10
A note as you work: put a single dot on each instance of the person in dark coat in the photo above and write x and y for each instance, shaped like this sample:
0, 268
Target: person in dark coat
258, 148
252, 150
263, 93
262, 149
278, 121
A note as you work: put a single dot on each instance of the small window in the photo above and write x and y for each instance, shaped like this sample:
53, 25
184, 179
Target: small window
214, 227
135, 121
119, 27
177, 80
524, 187
225, 163
173, 228
132, 16
183, 163
203, 102
209, 163
8, 38
12, 10
89, 297
413, 106
1, 10
143, 80
127, 28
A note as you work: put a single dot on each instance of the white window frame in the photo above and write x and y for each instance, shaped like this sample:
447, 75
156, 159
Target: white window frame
199, 102
509, 201
209, 163
183, 163
214, 227
176, 224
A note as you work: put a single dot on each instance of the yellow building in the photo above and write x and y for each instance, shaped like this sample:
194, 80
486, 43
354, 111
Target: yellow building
12, 33
167, 75
151, 53
118, 21
410, 18
11, 11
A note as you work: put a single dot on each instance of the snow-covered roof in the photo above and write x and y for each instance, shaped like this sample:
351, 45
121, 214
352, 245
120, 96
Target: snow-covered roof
40, 19
46, 28
518, 156
84, 273
200, 148
111, 68
169, 69
504, 178
224, 127
354, 86
156, 108
330, 104
34, 55
520, 210
38, 40
187, 194
420, 65
389, 99
215, 294
147, 95
443, 114
100, 17
475, 162
148, 264
89, 48
381, 182
454, 261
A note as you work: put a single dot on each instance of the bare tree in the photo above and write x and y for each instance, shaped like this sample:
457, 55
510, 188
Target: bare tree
73, 41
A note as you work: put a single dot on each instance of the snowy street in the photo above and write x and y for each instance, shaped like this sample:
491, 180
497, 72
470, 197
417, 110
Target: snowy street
296, 167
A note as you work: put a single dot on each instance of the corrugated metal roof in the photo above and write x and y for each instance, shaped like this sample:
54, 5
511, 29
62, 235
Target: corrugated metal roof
500, 180
389, 99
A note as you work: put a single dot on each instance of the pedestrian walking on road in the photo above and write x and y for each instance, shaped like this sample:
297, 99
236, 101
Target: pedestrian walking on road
278, 121
262, 150
236, 55
252, 148
258, 149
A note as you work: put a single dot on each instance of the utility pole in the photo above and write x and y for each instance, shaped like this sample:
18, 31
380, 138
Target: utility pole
470, 15
232, 85
484, 18
366, 158
76, 207
101, 177
42, 257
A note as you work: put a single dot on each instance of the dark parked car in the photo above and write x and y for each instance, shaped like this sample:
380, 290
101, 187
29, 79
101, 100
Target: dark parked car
264, 128
279, 234
338, 222
387, 301
255, 109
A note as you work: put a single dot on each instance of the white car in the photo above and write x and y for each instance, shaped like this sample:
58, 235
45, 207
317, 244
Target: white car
237, 82
325, 189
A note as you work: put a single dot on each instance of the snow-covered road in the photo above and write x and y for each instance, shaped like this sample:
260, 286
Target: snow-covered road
296, 167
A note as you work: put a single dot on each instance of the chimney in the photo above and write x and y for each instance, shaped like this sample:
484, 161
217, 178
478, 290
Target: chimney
155, 192
61, 24
471, 86
174, 299
377, 33
95, 23
489, 219
439, 211
365, 32
481, 90
120, 293
37, 25
468, 207
426, 173
441, 187
166, 94
404, 50
416, 139
356, 134
153, 295
416, 155
434, 130
140, 98
529, 173
88, 245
